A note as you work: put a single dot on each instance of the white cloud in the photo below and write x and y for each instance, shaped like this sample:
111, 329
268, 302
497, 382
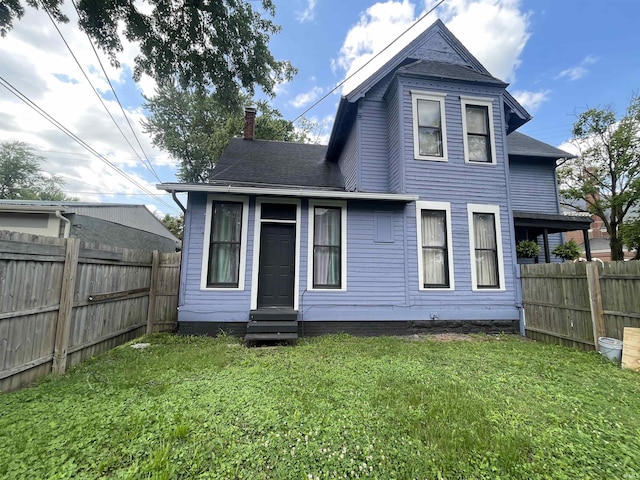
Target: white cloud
308, 13
531, 100
579, 71
303, 99
36, 61
494, 31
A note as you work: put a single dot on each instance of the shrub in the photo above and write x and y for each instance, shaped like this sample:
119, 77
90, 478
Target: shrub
569, 251
527, 249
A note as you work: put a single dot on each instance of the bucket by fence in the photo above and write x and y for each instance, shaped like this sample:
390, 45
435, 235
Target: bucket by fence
611, 348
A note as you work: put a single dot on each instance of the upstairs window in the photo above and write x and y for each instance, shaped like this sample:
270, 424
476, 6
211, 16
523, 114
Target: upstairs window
477, 126
429, 126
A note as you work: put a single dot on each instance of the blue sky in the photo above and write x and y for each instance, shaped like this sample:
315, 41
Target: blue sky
560, 57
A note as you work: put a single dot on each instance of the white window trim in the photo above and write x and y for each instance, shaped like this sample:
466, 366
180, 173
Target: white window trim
207, 241
483, 102
257, 231
481, 208
446, 206
436, 97
343, 244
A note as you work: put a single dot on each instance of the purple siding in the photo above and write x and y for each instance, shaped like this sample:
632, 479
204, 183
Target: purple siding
348, 161
395, 126
533, 185
210, 305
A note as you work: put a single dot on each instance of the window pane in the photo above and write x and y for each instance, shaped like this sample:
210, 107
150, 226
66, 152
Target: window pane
224, 250
486, 249
227, 222
477, 119
434, 252
478, 148
224, 265
278, 211
487, 268
429, 113
434, 267
430, 142
327, 247
484, 230
327, 226
433, 229
326, 266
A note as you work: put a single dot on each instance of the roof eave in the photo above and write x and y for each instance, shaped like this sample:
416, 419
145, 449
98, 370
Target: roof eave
285, 192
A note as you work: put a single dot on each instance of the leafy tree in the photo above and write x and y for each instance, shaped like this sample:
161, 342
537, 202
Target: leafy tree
194, 126
21, 177
630, 233
219, 43
605, 179
174, 224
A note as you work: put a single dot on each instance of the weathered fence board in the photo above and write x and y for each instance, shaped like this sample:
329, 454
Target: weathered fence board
60, 308
561, 307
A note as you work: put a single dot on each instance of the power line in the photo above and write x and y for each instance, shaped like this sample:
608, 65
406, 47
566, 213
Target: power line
7, 85
368, 61
155, 174
101, 100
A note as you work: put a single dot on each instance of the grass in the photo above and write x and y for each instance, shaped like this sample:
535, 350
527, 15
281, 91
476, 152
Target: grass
332, 407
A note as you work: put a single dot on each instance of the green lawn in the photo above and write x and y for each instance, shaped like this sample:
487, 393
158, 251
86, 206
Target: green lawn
332, 407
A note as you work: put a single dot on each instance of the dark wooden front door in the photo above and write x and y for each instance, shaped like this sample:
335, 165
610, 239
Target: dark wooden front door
277, 265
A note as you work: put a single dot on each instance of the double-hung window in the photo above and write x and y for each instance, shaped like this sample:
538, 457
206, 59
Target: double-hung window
435, 265
327, 245
225, 243
429, 126
477, 126
487, 269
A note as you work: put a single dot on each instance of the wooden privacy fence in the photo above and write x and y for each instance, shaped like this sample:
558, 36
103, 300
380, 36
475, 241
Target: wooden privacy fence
574, 303
63, 301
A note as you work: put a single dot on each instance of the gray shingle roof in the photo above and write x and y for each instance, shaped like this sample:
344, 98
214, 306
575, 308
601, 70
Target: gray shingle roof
263, 162
448, 71
522, 145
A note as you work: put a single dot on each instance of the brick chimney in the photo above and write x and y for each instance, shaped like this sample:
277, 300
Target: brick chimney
249, 123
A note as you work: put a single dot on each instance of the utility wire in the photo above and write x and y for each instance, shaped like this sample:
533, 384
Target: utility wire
102, 101
7, 85
368, 61
124, 114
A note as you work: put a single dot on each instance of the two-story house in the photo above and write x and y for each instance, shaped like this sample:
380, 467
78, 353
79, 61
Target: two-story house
406, 220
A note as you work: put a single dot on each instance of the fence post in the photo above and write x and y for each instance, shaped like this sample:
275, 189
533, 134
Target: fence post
595, 300
153, 289
65, 311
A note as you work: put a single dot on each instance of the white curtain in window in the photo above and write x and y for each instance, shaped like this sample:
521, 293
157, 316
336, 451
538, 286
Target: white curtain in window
326, 250
486, 249
226, 230
434, 259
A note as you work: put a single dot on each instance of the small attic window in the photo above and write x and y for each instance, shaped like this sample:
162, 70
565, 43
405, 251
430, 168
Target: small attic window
429, 126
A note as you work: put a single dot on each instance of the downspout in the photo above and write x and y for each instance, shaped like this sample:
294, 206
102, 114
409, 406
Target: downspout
67, 227
175, 199
512, 232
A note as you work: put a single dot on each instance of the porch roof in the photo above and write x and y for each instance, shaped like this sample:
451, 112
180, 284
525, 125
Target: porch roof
553, 223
